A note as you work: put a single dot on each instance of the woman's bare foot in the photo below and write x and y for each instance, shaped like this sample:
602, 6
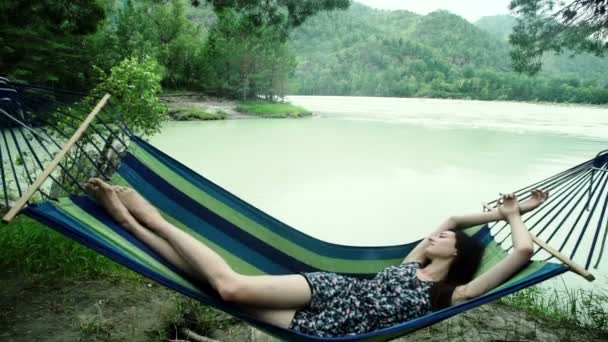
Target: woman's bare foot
537, 198
106, 196
141, 209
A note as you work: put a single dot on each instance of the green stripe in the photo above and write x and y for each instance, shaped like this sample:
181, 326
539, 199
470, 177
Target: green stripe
493, 254
113, 239
259, 231
533, 267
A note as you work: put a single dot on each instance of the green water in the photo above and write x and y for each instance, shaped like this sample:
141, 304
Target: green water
376, 171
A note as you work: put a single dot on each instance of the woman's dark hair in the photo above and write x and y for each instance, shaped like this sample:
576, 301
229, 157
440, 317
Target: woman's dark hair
462, 270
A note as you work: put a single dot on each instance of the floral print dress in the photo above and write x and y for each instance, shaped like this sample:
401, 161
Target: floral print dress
343, 305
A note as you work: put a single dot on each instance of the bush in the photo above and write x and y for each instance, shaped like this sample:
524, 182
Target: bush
272, 109
188, 114
134, 85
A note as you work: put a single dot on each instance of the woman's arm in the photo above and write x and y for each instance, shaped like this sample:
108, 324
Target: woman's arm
452, 222
464, 221
468, 220
521, 255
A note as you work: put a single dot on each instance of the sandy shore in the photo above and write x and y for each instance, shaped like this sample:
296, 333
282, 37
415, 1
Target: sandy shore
211, 104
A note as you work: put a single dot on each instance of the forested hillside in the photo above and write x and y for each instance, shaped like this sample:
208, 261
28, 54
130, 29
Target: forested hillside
225, 48
363, 51
272, 49
584, 66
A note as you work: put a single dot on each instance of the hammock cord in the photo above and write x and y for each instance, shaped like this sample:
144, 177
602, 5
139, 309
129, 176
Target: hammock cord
10, 158
76, 121
4, 185
598, 232
30, 136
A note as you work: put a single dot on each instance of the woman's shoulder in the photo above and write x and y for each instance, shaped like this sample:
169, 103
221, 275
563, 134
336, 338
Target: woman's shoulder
405, 273
410, 266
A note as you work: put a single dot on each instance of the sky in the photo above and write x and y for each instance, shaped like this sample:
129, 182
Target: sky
471, 10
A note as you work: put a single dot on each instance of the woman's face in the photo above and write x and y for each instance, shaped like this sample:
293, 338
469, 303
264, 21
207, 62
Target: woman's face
442, 245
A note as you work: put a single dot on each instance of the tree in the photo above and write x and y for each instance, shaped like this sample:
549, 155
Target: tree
160, 30
549, 25
41, 41
282, 14
245, 61
134, 85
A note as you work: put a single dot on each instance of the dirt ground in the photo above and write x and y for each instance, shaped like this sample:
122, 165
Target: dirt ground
137, 310
98, 310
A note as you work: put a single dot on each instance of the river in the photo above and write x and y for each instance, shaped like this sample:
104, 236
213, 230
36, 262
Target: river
376, 171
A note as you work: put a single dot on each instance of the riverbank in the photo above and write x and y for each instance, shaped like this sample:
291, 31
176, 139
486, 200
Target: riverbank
196, 106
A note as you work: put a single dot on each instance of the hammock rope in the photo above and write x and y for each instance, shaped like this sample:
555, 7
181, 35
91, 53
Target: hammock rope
29, 117
253, 242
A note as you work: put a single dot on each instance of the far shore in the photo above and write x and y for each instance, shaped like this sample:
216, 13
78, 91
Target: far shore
197, 107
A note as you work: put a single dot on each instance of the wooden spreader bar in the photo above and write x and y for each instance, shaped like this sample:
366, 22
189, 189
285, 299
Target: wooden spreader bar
557, 254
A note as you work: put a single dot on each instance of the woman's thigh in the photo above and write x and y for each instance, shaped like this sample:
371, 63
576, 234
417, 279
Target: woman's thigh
274, 292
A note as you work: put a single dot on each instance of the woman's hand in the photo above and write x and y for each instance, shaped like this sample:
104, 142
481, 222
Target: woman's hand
536, 199
508, 205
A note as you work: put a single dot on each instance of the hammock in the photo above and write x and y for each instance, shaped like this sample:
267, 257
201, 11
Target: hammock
253, 242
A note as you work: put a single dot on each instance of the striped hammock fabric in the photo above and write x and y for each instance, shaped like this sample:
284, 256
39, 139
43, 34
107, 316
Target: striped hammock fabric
251, 241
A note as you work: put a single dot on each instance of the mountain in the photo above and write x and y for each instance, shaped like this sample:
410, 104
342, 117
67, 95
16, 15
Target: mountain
365, 51
499, 26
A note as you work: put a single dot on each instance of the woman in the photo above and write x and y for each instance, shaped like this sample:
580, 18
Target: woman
435, 274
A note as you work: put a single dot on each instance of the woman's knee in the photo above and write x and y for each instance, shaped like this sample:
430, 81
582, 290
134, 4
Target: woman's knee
231, 288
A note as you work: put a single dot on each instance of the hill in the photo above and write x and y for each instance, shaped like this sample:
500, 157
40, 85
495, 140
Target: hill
365, 51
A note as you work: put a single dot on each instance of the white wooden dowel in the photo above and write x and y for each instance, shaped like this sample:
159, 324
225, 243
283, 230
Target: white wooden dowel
573, 266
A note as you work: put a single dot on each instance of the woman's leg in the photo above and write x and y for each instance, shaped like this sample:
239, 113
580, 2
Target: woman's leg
270, 292
107, 197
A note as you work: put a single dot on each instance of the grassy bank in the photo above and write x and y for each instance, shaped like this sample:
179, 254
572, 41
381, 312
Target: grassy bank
193, 113
574, 307
30, 248
272, 109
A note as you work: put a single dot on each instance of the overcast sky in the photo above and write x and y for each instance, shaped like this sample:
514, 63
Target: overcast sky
469, 9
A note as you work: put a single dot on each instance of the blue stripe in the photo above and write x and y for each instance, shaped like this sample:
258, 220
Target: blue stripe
278, 227
198, 218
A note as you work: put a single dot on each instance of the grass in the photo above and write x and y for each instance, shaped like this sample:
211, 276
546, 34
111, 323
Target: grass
272, 109
192, 113
187, 313
30, 248
576, 307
